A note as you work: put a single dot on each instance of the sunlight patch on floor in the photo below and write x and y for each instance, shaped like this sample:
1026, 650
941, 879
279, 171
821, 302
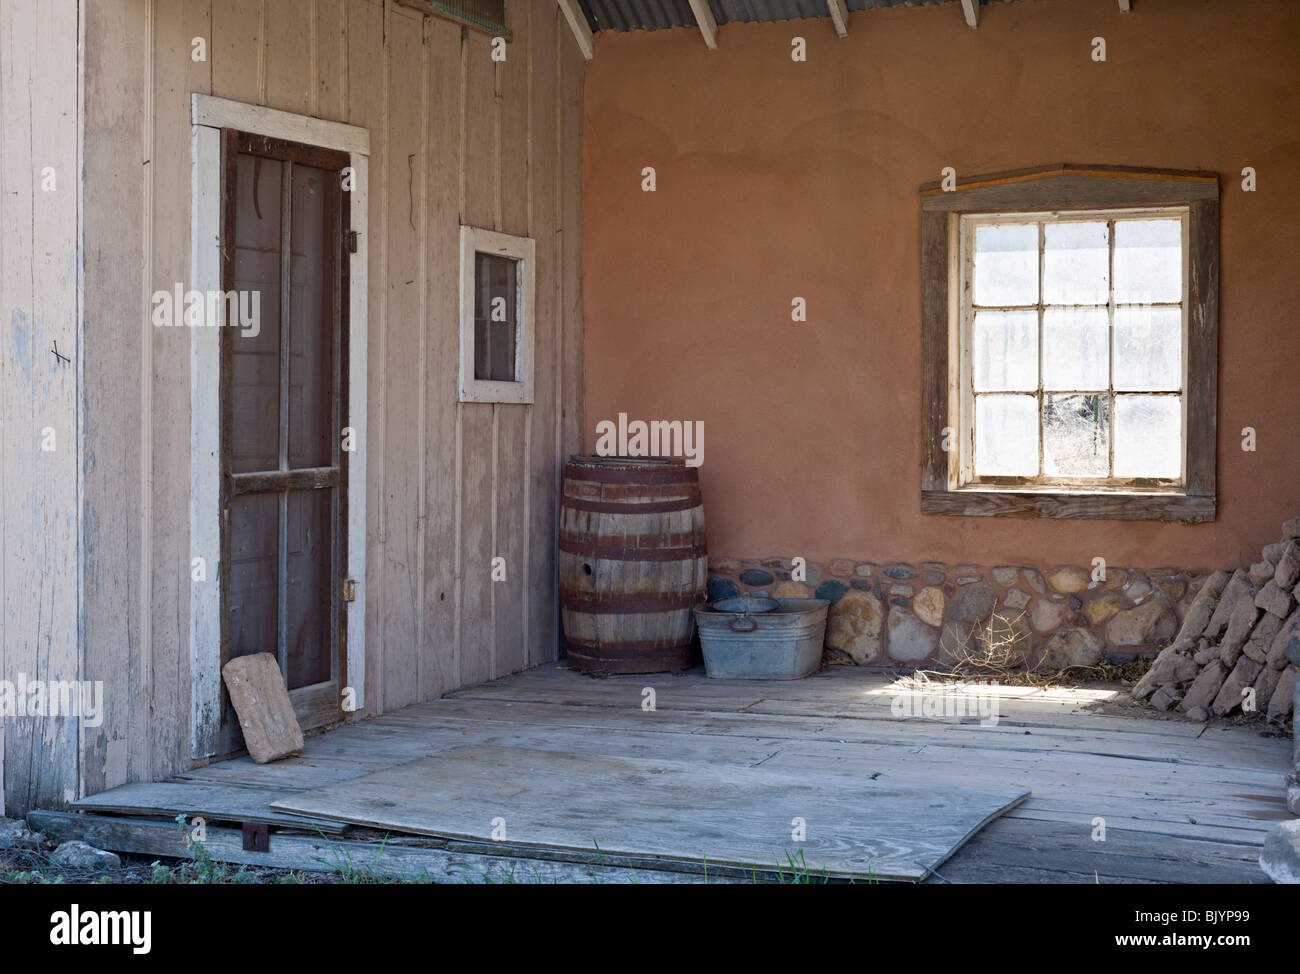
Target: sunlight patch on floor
920, 684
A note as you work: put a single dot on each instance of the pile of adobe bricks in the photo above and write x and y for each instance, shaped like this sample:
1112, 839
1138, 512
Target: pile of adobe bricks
1239, 646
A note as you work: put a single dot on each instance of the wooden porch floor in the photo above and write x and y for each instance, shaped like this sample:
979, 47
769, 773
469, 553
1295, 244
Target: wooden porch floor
1181, 802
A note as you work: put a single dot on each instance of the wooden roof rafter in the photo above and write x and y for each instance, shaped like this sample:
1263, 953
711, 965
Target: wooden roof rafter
705, 21
839, 16
578, 24
587, 16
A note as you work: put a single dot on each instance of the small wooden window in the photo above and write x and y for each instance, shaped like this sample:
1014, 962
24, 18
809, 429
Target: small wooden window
488, 16
496, 318
1070, 344
496, 339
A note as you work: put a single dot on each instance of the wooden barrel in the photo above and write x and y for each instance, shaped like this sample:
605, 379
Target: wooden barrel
633, 563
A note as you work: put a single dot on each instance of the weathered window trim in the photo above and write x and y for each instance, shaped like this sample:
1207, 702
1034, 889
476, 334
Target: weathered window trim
463, 12
524, 250
1057, 188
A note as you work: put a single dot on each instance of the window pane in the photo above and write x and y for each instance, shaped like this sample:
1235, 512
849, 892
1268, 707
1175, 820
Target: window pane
254, 574
1075, 348
1006, 265
1006, 436
313, 282
1148, 261
1076, 261
309, 560
255, 352
495, 317
1148, 348
1148, 436
1005, 353
1076, 435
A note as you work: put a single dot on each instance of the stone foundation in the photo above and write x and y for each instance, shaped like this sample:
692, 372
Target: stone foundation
926, 614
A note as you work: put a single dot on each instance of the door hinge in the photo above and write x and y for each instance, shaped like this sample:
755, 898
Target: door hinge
349, 590
352, 241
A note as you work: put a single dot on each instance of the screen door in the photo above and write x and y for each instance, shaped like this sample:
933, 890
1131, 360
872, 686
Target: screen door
283, 399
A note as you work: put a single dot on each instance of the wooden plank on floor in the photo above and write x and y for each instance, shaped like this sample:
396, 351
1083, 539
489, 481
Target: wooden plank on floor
212, 802
1178, 754
1244, 750
928, 750
1122, 856
680, 812
582, 694
1181, 802
1187, 801
383, 860
844, 691
866, 696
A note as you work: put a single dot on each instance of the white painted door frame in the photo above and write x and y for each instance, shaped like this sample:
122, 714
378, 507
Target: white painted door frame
208, 116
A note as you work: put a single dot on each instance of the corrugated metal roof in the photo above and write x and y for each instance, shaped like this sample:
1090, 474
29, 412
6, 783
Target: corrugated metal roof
659, 14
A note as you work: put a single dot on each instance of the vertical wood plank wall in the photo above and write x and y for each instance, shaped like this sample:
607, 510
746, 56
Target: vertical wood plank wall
39, 308
455, 137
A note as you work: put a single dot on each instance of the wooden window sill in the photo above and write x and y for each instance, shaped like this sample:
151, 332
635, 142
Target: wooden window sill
1185, 508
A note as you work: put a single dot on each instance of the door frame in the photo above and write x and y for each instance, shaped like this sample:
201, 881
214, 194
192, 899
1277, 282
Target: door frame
318, 704
209, 115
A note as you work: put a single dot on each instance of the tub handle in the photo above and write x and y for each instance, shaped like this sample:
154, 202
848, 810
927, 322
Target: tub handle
736, 623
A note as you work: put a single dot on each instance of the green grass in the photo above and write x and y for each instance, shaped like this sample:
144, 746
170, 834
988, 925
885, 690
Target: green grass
35, 867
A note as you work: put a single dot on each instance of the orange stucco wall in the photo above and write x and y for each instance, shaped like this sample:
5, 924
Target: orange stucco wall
778, 179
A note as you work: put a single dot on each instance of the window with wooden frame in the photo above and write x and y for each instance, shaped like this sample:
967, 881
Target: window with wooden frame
488, 16
1070, 344
496, 316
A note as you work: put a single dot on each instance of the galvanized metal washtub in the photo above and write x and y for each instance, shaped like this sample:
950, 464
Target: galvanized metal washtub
754, 641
